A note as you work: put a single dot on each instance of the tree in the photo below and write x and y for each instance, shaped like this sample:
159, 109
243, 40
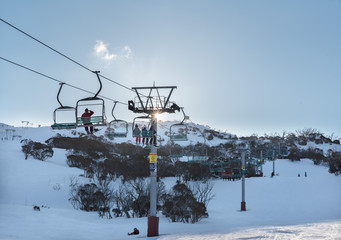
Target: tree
203, 192
180, 205
139, 193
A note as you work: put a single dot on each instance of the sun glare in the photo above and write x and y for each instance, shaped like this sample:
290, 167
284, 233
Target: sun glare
158, 116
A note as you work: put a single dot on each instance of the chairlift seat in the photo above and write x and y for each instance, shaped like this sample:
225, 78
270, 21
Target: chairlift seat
178, 137
200, 158
140, 121
115, 131
176, 155
58, 126
178, 132
117, 134
150, 133
95, 120
144, 134
63, 125
91, 121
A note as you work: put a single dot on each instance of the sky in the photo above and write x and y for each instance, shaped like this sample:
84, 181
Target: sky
245, 67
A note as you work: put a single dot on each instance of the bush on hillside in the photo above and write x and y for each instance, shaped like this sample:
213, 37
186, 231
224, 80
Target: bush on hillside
92, 147
86, 197
334, 161
92, 197
180, 205
26, 147
37, 150
165, 168
294, 154
316, 154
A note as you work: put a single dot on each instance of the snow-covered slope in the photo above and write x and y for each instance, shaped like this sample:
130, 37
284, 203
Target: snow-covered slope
283, 207
195, 133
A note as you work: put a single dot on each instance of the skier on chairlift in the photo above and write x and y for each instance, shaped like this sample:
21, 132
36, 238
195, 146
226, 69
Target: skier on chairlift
87, 122
137, 134
152, 134
144, 135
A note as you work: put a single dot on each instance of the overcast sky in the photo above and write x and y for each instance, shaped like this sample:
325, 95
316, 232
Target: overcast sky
246, 67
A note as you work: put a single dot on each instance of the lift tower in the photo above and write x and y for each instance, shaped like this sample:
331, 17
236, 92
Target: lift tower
151, 101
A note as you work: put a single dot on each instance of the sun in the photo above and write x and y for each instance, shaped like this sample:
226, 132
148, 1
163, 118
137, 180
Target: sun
158, 116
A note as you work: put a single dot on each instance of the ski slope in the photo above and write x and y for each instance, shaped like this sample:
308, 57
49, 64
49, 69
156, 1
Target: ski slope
283, 207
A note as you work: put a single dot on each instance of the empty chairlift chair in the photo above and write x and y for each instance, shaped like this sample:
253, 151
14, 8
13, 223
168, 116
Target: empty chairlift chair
117, 128
178, 131
64, 116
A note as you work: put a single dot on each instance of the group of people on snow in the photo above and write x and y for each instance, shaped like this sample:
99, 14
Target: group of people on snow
148, 136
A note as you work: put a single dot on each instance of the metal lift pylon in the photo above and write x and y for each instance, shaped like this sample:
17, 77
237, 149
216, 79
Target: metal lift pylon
152, 102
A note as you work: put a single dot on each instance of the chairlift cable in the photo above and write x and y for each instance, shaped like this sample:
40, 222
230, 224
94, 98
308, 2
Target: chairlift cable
56, 80
56, 51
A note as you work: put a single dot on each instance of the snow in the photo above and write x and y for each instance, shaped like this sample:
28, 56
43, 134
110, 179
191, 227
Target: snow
283, 207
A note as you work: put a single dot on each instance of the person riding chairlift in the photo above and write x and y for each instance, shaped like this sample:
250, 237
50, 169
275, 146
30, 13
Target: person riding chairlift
87, 122
152, 135
144, 135
137, 134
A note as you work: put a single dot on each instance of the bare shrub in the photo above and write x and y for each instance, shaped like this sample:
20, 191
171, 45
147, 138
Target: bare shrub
180, 205
202, 191
37, 150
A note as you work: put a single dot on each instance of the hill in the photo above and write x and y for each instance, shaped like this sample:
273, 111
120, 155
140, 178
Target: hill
285, 206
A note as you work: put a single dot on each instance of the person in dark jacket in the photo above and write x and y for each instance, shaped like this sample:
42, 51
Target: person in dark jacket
87, 121
144, 135
152, 135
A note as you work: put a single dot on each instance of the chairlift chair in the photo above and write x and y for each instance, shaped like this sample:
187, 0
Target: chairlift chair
117, 128
201, 155
63, 114
140, 122
92, 103
95, 104
178, 131
176, 153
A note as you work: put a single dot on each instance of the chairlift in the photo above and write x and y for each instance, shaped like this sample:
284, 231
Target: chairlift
94, 104
176, 151
142, 121
178, 131
117, 128
199, 154
63, 115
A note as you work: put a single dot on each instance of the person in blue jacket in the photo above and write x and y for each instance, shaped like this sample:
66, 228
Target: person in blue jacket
144, 135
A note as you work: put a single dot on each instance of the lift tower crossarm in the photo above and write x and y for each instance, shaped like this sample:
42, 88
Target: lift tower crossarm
149, 106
